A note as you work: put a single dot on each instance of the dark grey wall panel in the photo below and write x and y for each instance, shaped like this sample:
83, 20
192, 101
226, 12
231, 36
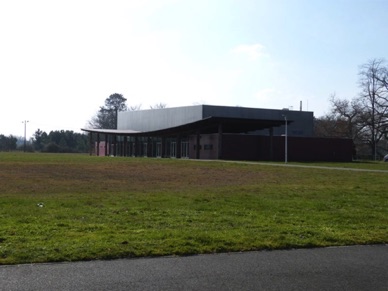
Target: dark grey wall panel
302, 125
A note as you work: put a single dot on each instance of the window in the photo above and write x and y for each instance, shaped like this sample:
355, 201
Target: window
173, 149
145, 149
158, 149
185, 149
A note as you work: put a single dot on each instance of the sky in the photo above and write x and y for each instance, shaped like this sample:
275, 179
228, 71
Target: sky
60, 60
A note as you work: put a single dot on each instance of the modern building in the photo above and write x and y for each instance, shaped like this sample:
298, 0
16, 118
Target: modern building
218, 132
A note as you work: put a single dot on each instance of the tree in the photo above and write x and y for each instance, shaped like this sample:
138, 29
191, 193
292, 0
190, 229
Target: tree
7, 143
346, 112
341, 121
158, 106
135, 107
364, 118
373, 119
106, 117
62, 141
39, 140
330, 126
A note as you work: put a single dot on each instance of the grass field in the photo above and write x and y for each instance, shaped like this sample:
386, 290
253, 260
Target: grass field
76, 207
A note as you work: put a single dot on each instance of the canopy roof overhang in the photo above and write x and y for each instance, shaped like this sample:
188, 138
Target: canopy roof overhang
204, 126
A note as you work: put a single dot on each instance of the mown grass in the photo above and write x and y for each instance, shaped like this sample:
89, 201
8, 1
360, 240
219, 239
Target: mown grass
76, 207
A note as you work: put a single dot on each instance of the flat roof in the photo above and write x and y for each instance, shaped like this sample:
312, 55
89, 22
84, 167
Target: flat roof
110, 131
206, 125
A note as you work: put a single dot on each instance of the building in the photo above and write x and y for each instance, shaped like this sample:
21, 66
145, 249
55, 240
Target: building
219, 132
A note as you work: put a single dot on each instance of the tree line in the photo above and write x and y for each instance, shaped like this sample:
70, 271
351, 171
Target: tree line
363, 118
64, 141
8, 143
59, 141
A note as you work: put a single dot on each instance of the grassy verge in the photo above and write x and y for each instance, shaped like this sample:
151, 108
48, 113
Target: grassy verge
76, 207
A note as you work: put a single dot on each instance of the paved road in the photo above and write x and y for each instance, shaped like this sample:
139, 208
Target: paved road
340, 268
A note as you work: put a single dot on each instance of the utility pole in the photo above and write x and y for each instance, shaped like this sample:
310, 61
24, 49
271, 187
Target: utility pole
25, 134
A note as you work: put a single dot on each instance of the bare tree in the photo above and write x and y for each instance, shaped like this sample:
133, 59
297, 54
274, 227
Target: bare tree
383, 79
159, 106
341, 122
135, 107
374, 102
365, 116
330, 126
347, 112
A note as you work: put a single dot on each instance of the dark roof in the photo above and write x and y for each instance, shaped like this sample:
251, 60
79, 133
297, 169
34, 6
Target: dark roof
207, 125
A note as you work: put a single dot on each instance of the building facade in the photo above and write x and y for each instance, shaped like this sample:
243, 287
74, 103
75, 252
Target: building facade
218, 132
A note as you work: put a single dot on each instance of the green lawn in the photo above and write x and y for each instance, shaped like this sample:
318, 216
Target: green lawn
57, 207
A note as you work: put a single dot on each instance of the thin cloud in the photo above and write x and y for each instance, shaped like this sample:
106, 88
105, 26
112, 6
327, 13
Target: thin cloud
253, 51
267, 95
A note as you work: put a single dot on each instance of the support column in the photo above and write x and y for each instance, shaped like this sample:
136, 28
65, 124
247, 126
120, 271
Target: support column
125, 152
164, 147
90, 144
98, 145
149, 147
220, 141
114, 142
120, 147
136, 146
197, 146
271, 144
106, 144
178, 147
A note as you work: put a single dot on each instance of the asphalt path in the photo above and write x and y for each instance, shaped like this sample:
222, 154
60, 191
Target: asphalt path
334, 268
291, 165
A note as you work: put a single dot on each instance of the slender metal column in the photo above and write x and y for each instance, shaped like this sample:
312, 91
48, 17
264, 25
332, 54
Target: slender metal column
197, 149
285, 142
106, 145
90, 143
220, 141
179, 147
98, 145
125, 152
271, 144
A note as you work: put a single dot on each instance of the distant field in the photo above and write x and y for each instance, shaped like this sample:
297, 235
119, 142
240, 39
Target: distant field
62, 207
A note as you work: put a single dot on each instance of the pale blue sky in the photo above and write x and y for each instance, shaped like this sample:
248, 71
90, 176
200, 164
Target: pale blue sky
59, 60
